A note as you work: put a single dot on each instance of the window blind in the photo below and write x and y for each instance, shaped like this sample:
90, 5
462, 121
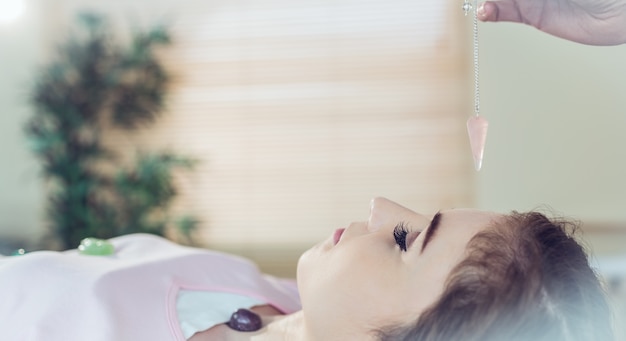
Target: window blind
301, 111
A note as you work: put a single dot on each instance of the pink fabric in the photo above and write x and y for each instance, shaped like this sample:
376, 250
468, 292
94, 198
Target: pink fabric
65, 296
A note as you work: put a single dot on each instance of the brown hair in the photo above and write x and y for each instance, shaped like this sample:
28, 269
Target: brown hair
525, 279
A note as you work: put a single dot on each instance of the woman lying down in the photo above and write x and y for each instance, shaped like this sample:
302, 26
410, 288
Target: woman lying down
460, 275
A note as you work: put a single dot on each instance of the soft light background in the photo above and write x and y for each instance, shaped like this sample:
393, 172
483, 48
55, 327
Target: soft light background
557, 113
300, 112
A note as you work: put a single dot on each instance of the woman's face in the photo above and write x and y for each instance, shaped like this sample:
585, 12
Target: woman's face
359, 279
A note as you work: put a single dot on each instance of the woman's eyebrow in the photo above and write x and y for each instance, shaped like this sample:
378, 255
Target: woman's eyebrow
431, 229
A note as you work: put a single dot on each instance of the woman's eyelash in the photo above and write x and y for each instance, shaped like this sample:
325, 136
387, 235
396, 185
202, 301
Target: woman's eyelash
399, 234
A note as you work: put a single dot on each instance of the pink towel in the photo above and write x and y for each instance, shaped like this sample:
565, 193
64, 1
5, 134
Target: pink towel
131, 295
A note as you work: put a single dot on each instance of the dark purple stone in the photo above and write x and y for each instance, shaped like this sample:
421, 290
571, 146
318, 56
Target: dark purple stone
245, 320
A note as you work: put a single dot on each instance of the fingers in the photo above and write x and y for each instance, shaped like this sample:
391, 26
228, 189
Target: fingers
487, 11
504, 10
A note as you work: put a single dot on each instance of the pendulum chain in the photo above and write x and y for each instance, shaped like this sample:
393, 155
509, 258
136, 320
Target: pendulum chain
476, 125
476, 65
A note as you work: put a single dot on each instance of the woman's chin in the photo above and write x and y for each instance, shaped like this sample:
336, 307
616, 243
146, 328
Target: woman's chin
311, 259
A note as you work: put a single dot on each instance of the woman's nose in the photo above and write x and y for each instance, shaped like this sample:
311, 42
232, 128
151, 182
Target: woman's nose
384, 213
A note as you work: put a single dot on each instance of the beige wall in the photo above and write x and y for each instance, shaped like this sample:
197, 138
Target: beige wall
557, 133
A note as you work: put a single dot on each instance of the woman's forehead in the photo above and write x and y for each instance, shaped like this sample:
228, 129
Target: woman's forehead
471, 213
469, 218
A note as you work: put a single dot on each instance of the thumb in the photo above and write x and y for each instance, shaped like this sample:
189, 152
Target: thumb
503, 10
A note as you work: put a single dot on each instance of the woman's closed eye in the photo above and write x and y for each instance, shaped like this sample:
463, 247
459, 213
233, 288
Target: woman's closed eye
403, 236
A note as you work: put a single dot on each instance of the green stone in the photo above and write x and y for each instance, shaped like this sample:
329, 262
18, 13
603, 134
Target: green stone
18, 252
95, 247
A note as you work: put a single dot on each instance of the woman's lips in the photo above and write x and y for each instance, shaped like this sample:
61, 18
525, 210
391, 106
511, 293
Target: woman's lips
337, 235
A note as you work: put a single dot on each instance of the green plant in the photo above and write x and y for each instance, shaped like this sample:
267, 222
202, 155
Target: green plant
93, 82
144, 192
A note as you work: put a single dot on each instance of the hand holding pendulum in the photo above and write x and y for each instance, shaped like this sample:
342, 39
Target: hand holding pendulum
476, 125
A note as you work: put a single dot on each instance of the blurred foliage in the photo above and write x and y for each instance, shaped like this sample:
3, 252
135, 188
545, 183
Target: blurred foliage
94, 81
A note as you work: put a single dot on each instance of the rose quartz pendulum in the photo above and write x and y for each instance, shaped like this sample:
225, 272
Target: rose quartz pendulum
477, 131
476, 125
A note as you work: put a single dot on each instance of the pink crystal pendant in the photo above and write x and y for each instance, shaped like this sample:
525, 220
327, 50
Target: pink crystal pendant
477, 130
